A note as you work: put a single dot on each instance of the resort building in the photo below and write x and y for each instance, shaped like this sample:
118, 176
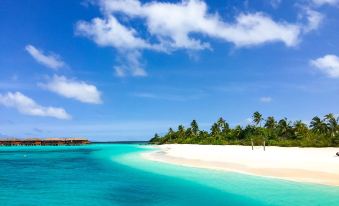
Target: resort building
43, 142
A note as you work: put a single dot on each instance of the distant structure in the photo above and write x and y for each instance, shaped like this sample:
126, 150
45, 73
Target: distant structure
43, 142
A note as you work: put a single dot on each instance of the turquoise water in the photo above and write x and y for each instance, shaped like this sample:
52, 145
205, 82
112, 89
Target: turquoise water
115, 174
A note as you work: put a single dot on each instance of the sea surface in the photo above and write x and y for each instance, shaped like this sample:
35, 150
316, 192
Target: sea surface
116, 174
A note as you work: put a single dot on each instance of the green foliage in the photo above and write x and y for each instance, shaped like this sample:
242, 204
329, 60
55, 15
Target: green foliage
257, 117
320, 133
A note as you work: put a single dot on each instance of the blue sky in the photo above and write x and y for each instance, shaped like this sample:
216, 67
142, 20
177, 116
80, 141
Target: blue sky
125, 69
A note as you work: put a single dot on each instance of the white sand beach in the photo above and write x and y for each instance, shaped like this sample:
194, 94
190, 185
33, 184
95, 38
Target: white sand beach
315, 165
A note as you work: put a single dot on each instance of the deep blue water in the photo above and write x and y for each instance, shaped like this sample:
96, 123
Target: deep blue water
115, 174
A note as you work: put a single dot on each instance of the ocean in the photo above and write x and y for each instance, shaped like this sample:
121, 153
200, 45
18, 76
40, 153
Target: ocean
116, 174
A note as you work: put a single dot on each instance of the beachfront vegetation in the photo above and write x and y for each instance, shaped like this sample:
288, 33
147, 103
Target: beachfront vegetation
321, 132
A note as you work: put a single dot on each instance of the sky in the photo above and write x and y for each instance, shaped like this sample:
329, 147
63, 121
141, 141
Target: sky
113, 70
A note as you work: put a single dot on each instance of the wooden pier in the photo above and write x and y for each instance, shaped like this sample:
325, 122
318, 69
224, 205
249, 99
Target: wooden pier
43, 142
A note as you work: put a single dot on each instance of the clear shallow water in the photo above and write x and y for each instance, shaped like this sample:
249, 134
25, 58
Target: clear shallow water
115, 174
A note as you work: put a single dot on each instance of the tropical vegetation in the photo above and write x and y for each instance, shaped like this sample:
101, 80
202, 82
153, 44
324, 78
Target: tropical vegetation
321, 132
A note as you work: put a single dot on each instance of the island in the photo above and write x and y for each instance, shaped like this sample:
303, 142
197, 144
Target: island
278, 149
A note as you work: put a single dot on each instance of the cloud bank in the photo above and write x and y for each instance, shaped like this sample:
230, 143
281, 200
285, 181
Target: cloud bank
28, 106
173, 23
182, 25
73, 89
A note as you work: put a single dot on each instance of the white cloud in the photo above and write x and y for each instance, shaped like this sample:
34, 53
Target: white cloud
183, 25
323, 2
109, 32
70, 88
28, 106
52, 61
257, 28
266, 99
173, 23
328, 64
130, 63
314, 19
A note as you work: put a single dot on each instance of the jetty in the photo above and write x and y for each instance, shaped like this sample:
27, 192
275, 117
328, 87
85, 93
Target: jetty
43, 141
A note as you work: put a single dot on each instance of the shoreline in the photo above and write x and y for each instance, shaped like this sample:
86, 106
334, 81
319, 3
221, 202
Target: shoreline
311, 165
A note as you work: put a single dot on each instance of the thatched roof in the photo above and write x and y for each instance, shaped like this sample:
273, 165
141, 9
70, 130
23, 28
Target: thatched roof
77, 138
45, 139
65, 139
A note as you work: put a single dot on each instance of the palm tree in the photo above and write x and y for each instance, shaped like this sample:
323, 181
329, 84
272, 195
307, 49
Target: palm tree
270, 123
318, 126
215, 130
332, 123
188, 132
300, 129
195, 128
257, 117
171, 134
237, 131
181, 131
223, 125
155, 139
284, 127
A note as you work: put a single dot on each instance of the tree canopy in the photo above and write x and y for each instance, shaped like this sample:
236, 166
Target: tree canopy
321, 132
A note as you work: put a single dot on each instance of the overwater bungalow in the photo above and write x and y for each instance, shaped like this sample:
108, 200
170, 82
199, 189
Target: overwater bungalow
43, 142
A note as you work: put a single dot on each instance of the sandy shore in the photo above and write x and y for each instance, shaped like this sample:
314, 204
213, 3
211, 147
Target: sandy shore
316, 165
